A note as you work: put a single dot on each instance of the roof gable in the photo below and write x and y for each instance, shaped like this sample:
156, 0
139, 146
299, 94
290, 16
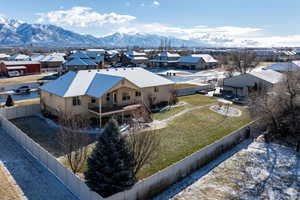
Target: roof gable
101, 84
80, 62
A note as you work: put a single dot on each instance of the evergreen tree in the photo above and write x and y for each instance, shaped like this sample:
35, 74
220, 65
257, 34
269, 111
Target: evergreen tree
111, 164
9, 101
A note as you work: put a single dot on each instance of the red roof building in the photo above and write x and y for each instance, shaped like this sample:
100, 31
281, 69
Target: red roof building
20, 67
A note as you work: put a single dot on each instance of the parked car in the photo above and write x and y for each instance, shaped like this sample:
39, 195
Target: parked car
22, 90
203, 92
13, 73
240, 100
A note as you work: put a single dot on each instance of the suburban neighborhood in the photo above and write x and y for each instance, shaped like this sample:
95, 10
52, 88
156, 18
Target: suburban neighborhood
150, 103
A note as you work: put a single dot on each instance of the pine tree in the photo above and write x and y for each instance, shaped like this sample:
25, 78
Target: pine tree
111, 164
9, 101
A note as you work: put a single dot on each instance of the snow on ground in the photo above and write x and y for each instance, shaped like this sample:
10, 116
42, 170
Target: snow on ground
260, 171
35, 181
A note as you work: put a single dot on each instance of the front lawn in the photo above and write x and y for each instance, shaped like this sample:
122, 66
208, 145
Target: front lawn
190, 133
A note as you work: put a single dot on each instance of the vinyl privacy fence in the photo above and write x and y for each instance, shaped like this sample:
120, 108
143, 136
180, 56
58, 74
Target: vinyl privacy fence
20, 111
155, 184
145, 188
192, 90
74, 184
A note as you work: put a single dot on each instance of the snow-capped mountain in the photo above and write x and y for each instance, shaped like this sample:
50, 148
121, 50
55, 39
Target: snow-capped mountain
18, 33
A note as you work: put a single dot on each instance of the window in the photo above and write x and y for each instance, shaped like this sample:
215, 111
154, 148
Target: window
107, 97
137, 94
76, 101
125, 97
156, 89
93, 100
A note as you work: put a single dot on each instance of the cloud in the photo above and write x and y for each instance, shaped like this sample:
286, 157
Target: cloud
221, 36
82, 17
156, 3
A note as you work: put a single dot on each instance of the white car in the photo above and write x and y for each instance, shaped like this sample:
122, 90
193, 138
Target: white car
13, 73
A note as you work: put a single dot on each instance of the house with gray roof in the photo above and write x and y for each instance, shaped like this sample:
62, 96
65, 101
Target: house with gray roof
284, 66
240, 85
197, 61
103, 93
165, 59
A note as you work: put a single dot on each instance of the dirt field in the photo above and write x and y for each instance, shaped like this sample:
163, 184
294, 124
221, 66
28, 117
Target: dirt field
23, 79
9, 190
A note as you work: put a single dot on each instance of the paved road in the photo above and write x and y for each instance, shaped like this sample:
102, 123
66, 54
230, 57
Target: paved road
36, 182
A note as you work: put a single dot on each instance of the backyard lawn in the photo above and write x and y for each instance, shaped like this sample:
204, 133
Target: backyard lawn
197, 100
189, 133
185, 85
191, 101
183, 136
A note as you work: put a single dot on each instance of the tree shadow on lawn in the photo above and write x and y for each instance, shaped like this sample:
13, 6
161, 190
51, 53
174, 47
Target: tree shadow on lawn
44, 134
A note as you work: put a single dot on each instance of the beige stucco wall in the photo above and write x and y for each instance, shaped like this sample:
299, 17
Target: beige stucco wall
56, 103
163, 94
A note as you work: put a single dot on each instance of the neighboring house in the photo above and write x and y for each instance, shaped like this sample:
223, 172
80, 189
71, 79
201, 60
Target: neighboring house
284, 66
79, 64
93, 53
17, 68
240, 85
165, 59
96, 55
197, 61
4, 56
36, 57
52, 63
19, 57
112, 57
104, 93
134, 57
82, 60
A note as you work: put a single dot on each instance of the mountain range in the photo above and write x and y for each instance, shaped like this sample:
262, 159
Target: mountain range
17, 33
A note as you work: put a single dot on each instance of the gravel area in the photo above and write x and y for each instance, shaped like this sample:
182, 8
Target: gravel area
226, 111
35, 181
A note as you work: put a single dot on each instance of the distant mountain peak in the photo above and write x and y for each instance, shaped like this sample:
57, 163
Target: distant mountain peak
17, 33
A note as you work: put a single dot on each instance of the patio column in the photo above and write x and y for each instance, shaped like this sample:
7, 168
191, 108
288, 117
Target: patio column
100, 111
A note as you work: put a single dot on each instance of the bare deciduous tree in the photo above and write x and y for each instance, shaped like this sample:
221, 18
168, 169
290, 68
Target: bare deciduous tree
242, 62
173, 97
143, 145
73, 140
279, 110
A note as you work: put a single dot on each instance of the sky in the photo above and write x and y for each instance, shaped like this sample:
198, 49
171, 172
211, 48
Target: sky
215, 22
